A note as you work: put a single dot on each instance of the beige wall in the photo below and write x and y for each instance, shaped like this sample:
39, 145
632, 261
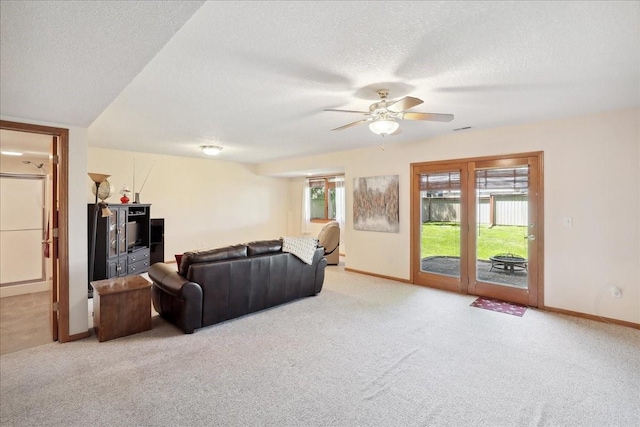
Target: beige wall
591, 167
211, 202
206, 203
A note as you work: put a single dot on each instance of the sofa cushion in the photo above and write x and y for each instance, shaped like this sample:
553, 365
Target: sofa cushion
263, 247
209, 255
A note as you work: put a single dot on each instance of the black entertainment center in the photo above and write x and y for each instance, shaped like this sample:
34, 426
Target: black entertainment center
157, 240
122, 241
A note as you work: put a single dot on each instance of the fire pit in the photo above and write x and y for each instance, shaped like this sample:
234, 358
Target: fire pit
508, 262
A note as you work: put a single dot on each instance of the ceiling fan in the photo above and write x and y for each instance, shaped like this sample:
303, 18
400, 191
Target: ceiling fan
385, 113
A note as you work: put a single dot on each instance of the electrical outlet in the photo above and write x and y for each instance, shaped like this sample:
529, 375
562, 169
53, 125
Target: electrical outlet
616, 292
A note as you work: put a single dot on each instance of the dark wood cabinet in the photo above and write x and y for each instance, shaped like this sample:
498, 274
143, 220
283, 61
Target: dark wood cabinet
157, 240
122, 240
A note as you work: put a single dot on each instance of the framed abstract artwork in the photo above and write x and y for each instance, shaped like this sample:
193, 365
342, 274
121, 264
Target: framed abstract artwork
376, 203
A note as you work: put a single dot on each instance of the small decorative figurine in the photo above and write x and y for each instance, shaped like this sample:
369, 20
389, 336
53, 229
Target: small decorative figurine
125, 190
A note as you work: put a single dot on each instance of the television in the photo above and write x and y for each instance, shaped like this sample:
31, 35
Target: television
133, 235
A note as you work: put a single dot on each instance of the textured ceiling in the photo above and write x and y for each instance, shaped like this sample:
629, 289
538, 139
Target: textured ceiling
66, 61
254, 77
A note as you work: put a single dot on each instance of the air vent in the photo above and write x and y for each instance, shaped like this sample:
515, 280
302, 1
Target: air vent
464, 128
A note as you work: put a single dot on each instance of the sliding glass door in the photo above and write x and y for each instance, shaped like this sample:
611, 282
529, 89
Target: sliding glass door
439, 216
504, 241
476, 226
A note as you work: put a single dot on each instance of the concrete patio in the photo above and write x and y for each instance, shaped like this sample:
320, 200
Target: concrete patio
450, 266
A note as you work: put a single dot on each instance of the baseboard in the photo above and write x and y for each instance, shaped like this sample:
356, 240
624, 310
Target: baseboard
81, 335
366, 273
591, 317
545, 308
25, 288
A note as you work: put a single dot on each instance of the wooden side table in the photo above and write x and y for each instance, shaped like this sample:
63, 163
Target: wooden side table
121, 307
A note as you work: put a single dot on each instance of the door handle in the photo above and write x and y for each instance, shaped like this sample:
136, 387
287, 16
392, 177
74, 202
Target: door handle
46, 241
530, 237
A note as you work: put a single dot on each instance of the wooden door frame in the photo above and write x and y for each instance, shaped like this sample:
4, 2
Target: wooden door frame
414, 218
54, 245
528, 296
63, 215
436, 281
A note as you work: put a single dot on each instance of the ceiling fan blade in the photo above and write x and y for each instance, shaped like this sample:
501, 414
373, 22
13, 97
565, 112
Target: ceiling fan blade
347, 111
404, 104
352, 124
431, 117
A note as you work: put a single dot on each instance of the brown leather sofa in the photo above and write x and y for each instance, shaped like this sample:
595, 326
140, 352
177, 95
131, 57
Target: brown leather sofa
329, 238
220, 284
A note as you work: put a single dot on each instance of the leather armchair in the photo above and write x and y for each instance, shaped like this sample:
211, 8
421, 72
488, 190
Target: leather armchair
329, 238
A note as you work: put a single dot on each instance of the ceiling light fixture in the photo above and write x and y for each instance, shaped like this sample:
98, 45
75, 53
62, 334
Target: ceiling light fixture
11, 153
211, 150
384, 126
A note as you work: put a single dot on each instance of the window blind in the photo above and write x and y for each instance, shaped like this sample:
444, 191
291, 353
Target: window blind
440, 181
503, 178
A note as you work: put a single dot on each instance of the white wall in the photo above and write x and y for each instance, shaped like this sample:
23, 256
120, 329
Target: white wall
206, 203
78, 254
591, 169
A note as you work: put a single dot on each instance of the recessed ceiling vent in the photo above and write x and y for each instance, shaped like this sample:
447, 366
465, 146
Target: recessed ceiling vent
464, 128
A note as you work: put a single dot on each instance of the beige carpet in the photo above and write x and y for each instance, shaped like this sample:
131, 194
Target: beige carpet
364, 352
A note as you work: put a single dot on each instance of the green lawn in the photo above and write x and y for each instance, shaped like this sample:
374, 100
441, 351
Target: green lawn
443, 239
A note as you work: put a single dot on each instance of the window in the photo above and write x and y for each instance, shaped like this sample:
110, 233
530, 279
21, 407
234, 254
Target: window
322, 198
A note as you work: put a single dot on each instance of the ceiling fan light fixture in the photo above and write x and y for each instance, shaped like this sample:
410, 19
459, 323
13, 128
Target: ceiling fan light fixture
211, 150
384, 127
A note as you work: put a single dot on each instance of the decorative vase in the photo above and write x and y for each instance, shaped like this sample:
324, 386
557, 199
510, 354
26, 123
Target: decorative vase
124, 199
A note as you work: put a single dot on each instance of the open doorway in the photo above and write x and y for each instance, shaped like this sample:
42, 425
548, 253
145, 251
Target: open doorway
34, 288
25, 270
